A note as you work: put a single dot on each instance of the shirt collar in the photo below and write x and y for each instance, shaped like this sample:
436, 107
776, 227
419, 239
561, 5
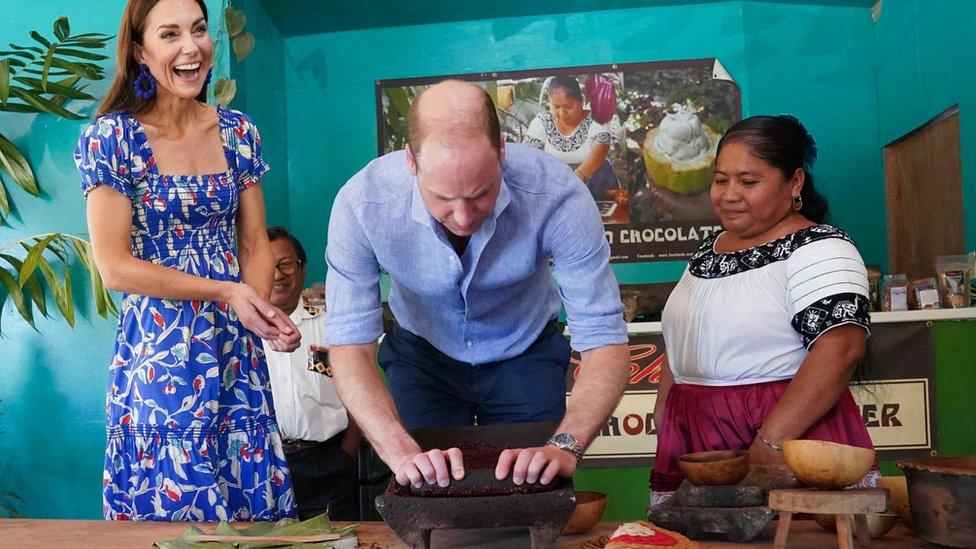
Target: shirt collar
300, 313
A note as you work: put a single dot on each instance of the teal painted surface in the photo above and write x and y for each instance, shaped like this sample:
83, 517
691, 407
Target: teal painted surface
818, 63
925, 55
53, 381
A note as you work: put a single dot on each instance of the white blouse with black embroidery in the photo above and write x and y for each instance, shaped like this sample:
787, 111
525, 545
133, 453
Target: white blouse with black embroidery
571, 149
751, 316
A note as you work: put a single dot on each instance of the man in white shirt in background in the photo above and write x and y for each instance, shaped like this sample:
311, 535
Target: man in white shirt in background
320, 439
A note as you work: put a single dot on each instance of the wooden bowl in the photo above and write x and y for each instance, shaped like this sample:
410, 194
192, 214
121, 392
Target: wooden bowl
718, 467
588, 512
897, 497
878, 523
828, 465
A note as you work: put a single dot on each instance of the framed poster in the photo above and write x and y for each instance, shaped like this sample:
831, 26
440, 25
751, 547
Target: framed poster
643, 140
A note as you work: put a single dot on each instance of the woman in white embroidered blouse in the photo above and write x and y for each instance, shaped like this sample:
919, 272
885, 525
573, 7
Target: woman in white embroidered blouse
569, 132
767, 325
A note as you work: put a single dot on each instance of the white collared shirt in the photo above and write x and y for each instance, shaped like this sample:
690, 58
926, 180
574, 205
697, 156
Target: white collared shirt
305, 401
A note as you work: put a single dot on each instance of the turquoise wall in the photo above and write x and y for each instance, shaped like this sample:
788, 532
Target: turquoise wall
53, 381
856, 84
926, 51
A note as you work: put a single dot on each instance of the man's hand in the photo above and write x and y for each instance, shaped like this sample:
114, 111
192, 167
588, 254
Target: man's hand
541, 464
433, 466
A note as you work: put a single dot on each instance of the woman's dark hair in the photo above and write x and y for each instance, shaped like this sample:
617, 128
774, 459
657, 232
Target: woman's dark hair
782, 142
121, 95
280, 233
566, 84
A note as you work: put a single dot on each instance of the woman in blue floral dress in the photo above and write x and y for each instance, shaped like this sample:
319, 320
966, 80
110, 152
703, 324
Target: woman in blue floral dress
191, 427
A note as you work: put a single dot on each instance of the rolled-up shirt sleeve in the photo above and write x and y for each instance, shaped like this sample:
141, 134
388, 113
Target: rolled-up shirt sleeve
581, 267
353, 315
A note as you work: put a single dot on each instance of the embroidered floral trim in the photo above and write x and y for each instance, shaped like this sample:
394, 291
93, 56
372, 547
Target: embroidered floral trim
707, 263
829, 312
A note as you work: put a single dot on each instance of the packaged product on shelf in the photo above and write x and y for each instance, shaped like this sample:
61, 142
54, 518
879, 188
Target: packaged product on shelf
874, 285
925, 294
972, 279
954, 273
895, 293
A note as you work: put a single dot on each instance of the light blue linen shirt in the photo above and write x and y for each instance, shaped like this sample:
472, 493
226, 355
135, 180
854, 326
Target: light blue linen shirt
492, 302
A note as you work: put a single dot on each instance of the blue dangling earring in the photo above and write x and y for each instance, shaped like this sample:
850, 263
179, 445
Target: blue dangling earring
209, 76
145, 84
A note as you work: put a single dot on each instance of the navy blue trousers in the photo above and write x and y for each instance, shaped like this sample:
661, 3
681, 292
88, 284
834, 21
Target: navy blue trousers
431, 389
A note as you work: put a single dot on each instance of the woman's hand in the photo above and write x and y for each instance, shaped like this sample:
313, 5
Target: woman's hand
267, 321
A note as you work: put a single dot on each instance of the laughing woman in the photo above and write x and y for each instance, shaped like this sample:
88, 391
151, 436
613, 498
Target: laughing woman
171, 183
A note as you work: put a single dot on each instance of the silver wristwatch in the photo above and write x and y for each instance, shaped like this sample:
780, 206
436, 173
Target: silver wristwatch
567, 441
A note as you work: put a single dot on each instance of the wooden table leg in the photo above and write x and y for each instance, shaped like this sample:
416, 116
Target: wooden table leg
782, 530
844, 539
861, 529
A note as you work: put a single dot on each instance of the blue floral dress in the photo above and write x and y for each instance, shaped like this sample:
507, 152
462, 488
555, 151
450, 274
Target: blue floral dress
191, 427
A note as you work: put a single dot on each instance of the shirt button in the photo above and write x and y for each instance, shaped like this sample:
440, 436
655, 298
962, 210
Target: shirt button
470, 344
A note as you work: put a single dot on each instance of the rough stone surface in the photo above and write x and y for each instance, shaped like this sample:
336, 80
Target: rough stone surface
689, 495
739, 524
414, 517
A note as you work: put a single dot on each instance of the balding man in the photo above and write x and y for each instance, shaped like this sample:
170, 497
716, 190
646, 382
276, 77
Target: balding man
472, 232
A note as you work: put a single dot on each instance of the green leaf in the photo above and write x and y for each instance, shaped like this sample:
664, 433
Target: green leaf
23, 54
243, 44
61, 28
224, 90
36, 292
234, 20
4, 80
84, 70
36, 36
69, 306
14, 163
36, 251
13, 289
57, 89
17, 107
43, 105
27, 48
4, 202
82, 54
52, 282
47, 68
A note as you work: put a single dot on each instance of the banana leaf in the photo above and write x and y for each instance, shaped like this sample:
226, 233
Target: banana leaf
284, 527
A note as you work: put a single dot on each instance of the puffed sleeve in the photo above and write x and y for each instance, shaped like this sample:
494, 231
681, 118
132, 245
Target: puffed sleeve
103, 156
828, 287
246, 140
536, 134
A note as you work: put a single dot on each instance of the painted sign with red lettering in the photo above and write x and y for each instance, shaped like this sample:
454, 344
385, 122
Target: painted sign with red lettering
896, 398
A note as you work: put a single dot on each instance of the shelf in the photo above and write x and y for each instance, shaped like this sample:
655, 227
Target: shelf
930, 315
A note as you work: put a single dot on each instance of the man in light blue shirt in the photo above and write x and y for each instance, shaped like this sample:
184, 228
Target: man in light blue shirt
472, 232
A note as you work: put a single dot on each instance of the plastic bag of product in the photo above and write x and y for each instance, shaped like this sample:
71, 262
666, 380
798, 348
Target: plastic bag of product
895, 294
925, 294
954, 272
972, 279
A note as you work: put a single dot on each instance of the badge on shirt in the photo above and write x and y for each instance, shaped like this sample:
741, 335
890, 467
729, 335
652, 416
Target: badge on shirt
318, 360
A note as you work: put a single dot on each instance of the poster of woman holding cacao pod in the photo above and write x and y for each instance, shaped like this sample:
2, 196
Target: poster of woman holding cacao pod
641, 136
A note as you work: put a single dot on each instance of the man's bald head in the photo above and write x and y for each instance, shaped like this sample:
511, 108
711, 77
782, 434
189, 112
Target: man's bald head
452, 111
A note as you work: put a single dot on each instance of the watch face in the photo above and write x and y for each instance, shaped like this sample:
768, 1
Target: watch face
564, 438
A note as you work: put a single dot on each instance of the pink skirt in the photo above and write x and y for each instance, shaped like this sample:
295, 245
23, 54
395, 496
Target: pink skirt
700, 418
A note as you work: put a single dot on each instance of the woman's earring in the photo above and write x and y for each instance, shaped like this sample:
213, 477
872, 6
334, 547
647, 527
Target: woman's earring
145, 84
209, 76
797, 203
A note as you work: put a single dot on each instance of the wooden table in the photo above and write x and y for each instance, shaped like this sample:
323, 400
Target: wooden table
15, 533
